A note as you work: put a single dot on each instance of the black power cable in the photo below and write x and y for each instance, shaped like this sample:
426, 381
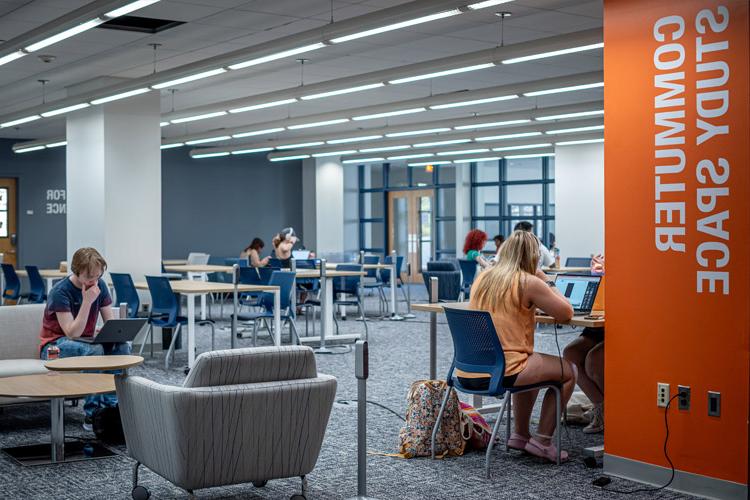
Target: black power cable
375, 403
604, 480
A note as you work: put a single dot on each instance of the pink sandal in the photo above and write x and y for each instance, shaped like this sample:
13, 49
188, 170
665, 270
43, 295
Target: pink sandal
548, 452
517, 442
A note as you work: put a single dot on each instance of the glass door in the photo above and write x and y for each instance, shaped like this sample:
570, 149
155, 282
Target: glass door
410, 223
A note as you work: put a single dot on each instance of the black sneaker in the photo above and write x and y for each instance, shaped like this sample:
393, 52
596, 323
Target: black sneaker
88, 424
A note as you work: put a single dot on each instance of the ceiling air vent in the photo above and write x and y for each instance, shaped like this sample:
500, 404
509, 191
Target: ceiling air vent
140, 24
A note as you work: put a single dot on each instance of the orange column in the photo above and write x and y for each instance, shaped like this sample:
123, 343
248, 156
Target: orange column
677, 202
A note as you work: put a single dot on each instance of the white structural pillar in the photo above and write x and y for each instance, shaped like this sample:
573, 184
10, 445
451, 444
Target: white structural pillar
323, 205
113, 178
463, 205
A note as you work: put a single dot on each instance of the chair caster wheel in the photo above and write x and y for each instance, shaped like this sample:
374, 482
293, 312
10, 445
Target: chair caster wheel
140, 493
186, 370
298, 497
239, 336
260, 484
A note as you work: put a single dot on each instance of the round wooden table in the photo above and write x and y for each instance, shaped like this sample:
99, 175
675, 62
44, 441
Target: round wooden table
56, 387
80, 363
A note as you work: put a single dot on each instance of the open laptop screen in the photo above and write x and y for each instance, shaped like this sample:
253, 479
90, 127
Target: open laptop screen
579, 290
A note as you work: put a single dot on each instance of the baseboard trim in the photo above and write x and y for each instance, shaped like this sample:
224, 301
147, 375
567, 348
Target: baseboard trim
684, 482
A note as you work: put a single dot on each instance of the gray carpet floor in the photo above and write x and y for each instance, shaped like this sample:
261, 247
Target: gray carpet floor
399, 355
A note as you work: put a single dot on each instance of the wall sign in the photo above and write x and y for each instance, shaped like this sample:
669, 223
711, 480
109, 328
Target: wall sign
56, 202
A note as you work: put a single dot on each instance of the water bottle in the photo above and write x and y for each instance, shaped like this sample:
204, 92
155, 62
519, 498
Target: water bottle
53, 352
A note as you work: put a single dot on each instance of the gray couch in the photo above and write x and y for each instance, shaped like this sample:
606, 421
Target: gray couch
243, 415
19, 343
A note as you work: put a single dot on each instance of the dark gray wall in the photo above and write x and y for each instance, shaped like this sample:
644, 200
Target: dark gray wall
41, 237
217, 205
213, 205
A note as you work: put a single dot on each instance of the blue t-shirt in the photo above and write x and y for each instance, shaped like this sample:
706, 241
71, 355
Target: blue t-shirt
66, 297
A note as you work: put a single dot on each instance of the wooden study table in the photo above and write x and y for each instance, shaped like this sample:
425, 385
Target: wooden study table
82, 363
394, 313
191, 289
57, 387
565, 270
197, 268
174, 262
49, 275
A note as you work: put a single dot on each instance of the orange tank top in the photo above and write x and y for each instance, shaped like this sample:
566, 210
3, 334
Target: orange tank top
515, 329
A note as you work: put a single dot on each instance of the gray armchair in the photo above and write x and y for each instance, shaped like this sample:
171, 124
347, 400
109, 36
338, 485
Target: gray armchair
243, 415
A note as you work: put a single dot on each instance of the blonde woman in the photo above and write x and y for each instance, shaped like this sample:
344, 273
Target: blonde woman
511, 291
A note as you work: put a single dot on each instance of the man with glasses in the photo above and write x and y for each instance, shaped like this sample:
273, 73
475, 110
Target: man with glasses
73, 307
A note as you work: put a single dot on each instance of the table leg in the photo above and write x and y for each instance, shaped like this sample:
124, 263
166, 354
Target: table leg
203, 306
277, 317
191, 329
57, 418
50, 283
394, 284
433, 346
327, 312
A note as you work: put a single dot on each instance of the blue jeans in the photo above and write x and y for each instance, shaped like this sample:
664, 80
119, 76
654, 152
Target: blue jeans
69, 348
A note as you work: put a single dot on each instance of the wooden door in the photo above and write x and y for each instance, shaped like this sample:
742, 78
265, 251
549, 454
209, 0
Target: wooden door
8, 236
410, 223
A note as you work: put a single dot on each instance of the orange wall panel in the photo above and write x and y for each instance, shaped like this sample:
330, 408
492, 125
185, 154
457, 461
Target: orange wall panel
676, 74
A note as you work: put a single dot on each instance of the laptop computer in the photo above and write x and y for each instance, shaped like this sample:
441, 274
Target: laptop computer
116, 331
580, 290
301, 254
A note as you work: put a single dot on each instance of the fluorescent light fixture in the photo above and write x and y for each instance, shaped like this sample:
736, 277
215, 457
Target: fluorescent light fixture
537, 155
164, 124
363, 160
263, 106
19, 121
123, 95
248, 151
409, 157
553, 53
208, 139
525, 146
441, 143
64, 34
300, 145
583, 141
472, 160
189, 78
418, 132
580, 114
354, 139
335, 153
212, 155
389, 113
29, 149
11, 57
473, 102
385, 148
199, 117
558, 90
285, 158
66, 109
318, 124
278, 55
507, 136
258, 132
127, 9
486, 3
57, 144
576, 129
395, 26
437, 74
425, 163
490, 124
463, 152
172, 145
343, 91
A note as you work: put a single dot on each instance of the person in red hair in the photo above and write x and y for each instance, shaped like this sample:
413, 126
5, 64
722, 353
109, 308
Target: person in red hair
473, 245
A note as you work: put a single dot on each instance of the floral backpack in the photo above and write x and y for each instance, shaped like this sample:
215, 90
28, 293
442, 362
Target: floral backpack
424, 400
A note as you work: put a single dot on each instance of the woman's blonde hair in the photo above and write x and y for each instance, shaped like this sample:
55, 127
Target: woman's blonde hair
500, 286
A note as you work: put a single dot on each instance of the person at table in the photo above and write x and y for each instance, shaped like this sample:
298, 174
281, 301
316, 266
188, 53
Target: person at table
473, 245
587, 353
252, 253
283, 244
498, 239
73, 307
511, 291
546, 259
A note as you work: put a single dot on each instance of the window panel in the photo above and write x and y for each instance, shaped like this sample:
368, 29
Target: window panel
398, 176
421, 176
372, 234
372, 206
523, 169
446, 174
523, 200
446, 202
447, 231
487, 171
486, 201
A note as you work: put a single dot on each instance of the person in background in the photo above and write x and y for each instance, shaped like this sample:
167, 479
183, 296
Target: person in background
283, 243
498, 239
546, 259
554, 250
473, 245
587, 353
511, 291
73, 307
252, 253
